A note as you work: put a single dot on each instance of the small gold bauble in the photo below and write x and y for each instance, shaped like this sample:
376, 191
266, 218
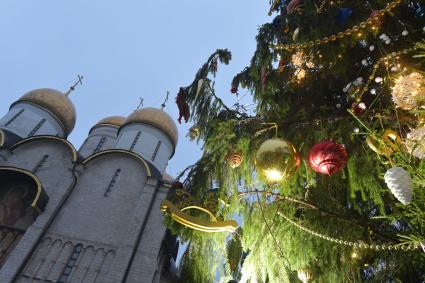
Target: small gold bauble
276, 159
234, 159
193, 132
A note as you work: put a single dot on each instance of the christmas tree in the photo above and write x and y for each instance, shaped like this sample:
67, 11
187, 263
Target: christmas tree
328, 176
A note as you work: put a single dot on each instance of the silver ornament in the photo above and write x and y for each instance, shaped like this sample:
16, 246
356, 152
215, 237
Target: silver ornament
399, 182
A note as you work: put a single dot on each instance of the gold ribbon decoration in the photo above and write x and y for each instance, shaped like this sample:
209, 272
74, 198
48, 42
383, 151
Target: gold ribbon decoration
187, 220
389, 143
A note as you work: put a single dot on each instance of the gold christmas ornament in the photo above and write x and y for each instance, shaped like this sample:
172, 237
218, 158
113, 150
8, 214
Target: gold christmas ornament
276, 159
415, 142
193, 132
409, 91
305, 275
234, 159
299, 61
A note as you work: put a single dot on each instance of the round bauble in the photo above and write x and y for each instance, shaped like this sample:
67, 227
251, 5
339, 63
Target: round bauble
327, 157
408, 91
194, 132
234, 90
358, 107
376, 17
399, 182
276, 160
415, 142
234, 159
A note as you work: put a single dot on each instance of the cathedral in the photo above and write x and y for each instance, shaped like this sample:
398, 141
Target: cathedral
86, 215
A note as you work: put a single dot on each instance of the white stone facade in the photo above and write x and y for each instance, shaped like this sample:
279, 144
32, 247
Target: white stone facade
102, 221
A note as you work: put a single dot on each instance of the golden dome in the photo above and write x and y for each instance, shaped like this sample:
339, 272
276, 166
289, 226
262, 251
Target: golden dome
56, 103
156, 118
112, 120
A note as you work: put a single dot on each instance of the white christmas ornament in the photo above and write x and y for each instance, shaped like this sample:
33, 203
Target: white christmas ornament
404, 33
399, 182
372, 47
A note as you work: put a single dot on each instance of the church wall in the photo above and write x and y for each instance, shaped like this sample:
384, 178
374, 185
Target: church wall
56, 177
104, 200
101, 137
53, 255
149, 252
143, 139
103, 216
25, 119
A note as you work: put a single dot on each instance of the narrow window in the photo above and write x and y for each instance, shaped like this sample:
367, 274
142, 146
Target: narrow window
156, 151
70, 263
112, 182
40, 164
14, 117
136, 139
99, 145
37, 127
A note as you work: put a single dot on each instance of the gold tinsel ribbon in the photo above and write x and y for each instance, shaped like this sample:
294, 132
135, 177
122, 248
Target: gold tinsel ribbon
360, 245
340, 35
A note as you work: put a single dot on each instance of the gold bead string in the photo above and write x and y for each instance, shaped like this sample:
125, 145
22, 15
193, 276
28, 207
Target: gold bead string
339, 35
393, 55
361, 245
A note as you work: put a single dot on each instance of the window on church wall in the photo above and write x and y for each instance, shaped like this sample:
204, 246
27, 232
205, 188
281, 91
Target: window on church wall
99, 145
112, 183
70, 264
156, 150
135, 140
14, 117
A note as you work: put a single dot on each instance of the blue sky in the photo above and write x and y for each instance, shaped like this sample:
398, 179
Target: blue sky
124, 49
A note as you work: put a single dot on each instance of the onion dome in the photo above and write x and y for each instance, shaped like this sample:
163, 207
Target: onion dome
112, 120
157, 118
55, 102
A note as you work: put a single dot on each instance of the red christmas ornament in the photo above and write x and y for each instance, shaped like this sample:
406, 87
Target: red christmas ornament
358, 107
294, 5
234, 89
377, 17
327, 157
